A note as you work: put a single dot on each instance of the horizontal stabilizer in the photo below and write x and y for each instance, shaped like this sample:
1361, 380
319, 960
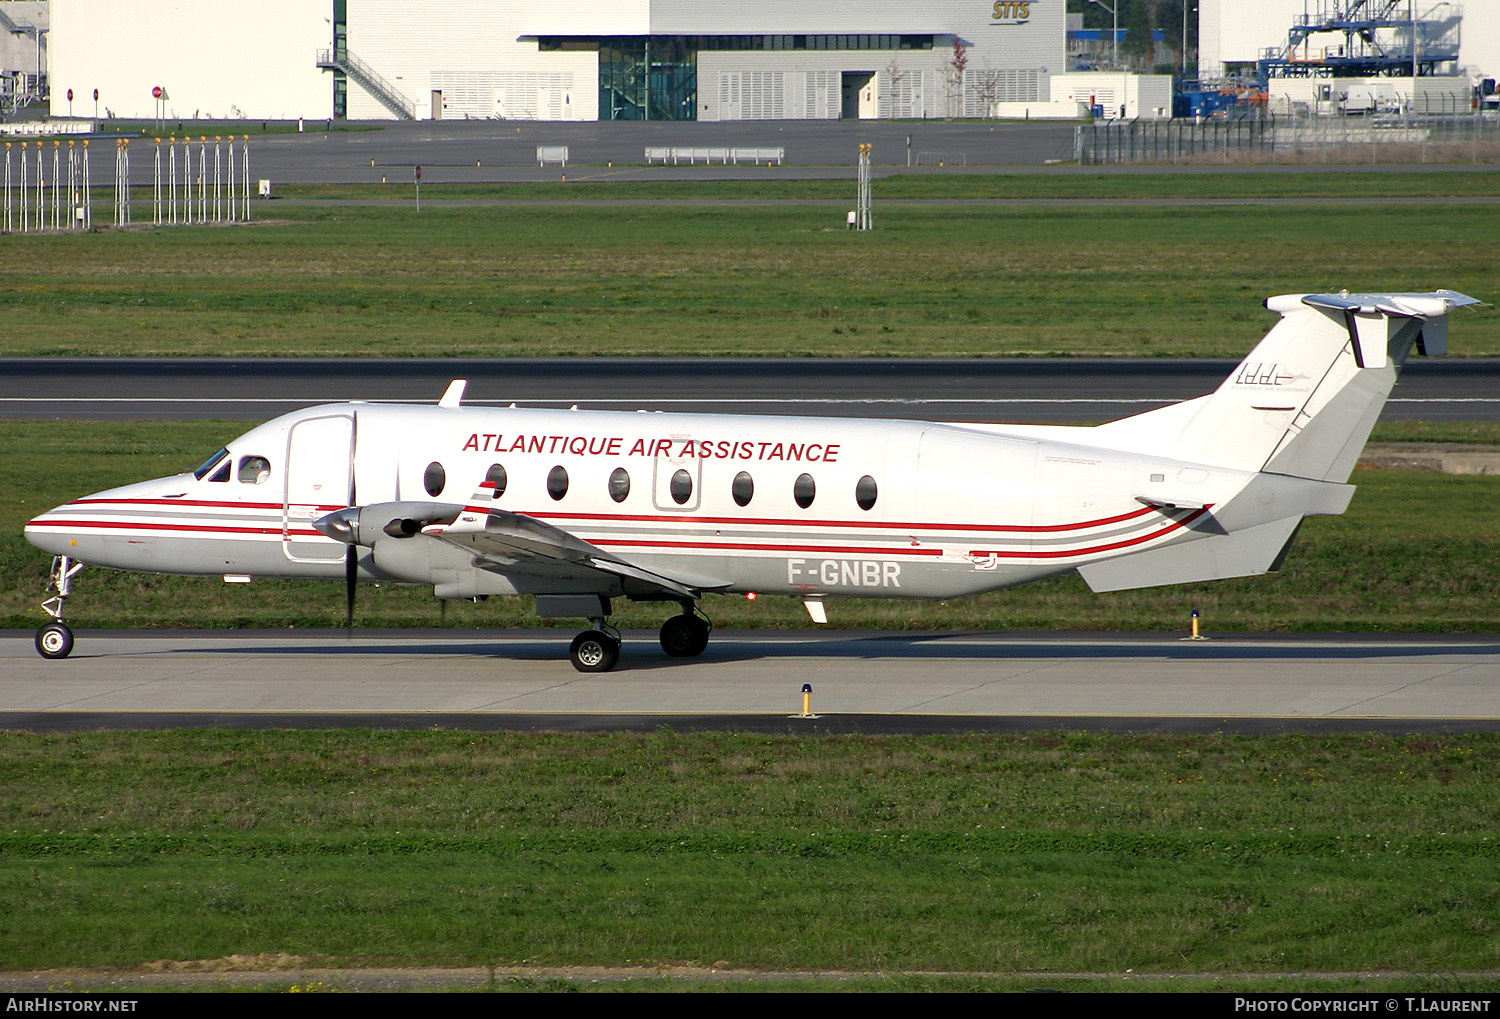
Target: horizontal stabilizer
1244, 553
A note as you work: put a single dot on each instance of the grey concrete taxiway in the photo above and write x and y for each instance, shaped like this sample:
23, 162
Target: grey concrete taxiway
867, 681
1059, 390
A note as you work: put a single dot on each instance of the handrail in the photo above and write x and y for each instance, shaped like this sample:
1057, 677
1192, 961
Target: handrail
389, 96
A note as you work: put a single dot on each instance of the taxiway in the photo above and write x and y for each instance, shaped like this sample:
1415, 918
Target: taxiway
862, 681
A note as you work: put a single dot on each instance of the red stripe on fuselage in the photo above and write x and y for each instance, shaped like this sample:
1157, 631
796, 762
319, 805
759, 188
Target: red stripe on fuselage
1093, 549
898, 525
758, 547
211, 503
145, 525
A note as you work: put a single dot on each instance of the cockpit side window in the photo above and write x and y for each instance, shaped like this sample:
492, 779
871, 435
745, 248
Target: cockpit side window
222, 474
254, 469
209, 464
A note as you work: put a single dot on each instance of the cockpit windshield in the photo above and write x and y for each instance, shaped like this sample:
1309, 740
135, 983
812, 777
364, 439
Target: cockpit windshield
209, 464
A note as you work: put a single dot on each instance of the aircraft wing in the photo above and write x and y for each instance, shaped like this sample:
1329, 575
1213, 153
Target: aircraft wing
507, 541
502, 542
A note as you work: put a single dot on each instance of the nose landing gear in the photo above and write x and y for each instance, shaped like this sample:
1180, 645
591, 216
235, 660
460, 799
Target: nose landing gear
55, 640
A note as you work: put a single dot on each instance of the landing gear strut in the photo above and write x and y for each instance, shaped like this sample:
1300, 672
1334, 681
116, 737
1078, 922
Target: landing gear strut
596, 650
55, 640
685, 636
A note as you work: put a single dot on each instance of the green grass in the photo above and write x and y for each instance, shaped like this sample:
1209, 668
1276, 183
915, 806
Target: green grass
590, 184
962, 854
1415, 552
723, 278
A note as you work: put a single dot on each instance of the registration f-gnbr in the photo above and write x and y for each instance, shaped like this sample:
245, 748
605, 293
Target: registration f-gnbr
843, 572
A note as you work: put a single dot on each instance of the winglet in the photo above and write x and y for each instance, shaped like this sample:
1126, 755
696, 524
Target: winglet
453, 396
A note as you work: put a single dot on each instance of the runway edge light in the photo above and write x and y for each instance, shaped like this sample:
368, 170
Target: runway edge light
807, 711
1195, 634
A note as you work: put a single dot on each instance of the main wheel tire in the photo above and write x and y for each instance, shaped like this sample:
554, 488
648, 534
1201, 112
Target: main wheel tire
594, 651
684, 636
54, 640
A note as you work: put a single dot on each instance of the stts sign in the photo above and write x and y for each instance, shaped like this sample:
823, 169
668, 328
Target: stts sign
1011, 12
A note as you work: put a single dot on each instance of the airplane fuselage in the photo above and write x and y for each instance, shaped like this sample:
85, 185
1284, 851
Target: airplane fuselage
794, 505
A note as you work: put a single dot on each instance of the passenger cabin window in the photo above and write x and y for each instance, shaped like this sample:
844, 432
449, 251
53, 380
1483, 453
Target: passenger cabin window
210, 464
254, 470
681, 487
619, 484
865, 492
557, 482
434, 478
743, 488
804, 490
496, 476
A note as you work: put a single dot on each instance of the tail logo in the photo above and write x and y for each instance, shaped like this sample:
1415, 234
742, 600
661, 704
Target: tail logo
1262, 373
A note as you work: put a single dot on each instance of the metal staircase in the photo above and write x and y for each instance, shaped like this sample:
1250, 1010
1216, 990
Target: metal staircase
19, 88
14, 27
356, 70
1380, 38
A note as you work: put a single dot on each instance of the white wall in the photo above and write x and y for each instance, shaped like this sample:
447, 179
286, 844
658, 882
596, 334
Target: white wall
477, 53
1479, 47
214, 59
1144, 96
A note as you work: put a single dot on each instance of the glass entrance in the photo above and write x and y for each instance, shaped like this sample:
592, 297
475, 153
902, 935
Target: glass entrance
648, 78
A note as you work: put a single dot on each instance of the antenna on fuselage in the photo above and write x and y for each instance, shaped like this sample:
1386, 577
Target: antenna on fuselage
453, 396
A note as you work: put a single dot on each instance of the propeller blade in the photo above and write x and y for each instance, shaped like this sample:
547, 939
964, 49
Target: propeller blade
351, 572
351, 560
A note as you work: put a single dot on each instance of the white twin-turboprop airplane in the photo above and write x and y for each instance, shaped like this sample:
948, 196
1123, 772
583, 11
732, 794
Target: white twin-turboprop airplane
582, 507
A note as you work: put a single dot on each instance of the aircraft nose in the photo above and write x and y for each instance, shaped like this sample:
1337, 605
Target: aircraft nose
39, 531
340, 525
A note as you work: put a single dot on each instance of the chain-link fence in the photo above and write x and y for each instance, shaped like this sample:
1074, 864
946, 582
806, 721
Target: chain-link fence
1262, 136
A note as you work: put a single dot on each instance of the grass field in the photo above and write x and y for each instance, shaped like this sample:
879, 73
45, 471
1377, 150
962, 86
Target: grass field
719, 277
964, 857
953, 185
1415, 552
964, 854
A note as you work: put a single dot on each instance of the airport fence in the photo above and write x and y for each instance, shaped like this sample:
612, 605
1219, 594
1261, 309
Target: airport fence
1261, 136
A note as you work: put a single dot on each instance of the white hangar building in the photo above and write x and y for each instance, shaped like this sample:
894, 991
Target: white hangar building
558, 60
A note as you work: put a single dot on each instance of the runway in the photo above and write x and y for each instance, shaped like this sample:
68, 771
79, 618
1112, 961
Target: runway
1053, 390
862, 682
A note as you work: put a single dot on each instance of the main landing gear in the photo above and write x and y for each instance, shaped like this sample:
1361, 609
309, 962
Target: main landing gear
55, 640
598, 649
685, 636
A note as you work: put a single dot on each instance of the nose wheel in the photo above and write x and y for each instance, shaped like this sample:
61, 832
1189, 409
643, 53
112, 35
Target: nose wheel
55, 640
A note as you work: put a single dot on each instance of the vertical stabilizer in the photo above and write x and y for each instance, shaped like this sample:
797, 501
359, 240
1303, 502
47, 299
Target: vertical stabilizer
1304, 400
